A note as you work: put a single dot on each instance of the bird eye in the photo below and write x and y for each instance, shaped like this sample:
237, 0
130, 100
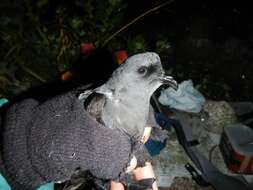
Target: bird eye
142, 70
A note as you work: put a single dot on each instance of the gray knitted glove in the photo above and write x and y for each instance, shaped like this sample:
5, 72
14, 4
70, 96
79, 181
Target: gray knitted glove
48, 141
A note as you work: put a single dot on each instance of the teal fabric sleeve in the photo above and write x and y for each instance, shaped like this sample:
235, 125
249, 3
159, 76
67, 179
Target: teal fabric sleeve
5, 186
47, 186
3, 183
3, 101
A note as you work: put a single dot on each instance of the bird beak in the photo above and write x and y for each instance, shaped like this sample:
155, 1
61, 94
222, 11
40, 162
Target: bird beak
169, 81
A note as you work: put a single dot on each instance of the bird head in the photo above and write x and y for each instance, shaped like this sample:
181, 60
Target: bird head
139, 76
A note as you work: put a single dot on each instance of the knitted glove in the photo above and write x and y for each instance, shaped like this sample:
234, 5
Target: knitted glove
48, 141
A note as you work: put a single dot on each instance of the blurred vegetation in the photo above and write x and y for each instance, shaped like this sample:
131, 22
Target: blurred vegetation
40, 39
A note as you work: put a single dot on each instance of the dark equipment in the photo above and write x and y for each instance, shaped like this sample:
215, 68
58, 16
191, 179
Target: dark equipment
236, 146
209, 174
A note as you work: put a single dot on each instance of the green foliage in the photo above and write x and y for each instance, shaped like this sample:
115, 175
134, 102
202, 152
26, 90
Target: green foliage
137, 44
40, 39
163, 46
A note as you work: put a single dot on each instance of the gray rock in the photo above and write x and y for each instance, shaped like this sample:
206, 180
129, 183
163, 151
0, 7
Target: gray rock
170, 163
220, 114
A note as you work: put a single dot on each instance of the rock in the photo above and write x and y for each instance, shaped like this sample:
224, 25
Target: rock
220, 114
170, 163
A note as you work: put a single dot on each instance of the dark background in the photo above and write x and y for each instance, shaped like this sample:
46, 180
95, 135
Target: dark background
196, 40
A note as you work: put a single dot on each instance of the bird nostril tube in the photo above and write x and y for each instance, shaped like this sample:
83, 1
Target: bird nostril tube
169, 80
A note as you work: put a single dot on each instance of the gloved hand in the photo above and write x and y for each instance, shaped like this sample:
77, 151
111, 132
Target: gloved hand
47, 141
